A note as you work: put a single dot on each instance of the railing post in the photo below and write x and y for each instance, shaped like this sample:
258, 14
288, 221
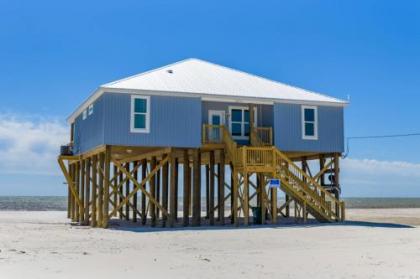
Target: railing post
244, 156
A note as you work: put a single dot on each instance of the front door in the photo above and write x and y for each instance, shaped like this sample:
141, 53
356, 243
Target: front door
217, 118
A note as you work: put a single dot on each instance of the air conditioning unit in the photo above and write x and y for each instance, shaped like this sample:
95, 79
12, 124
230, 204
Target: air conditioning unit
66, 150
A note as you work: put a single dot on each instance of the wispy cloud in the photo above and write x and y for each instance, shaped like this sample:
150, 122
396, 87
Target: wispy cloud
375, 167
369, 177
30, 144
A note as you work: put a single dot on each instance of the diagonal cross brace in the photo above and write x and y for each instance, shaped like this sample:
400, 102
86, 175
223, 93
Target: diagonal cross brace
70, 183
140, 186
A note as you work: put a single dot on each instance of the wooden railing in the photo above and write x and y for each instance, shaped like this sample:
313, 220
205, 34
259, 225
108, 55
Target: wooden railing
274, 160
213, 134
261, 136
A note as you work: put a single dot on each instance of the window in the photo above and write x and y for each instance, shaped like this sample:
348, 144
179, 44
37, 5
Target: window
90, 109
84, 116
309, 123
140, 114
239, 122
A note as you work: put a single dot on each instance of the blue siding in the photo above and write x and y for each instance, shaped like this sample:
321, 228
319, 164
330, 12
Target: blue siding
288, 129
89, 133
174, 121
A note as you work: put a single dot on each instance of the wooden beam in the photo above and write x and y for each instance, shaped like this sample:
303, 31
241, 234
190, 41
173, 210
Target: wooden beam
140, 186
87, 191
73, 186
82, 190
165, 184
143, 195
273, 210
127, 191
207, 168
211, 189
176, 188
234, 189
157, 197
147, 155
121, 190
152, 184
221, 185
172, 192
69, 194
187, 189
246, 199
115, 187
232, 181
196, 218
94, 190
135, 175
101, 190
106, 186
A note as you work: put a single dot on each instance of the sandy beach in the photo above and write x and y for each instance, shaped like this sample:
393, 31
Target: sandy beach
45, 245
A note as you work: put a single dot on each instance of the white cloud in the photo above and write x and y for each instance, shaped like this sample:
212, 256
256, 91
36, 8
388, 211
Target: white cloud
374, 178
375, 167
30, 144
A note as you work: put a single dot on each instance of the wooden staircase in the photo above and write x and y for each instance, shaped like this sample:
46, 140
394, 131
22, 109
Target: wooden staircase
265, 158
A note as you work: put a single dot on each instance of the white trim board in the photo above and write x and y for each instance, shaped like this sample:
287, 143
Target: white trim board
132, 113
304, 136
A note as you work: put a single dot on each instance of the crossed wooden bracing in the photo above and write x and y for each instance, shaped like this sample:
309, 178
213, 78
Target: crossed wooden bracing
142, 185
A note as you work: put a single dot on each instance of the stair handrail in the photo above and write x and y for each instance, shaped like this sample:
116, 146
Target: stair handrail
309, 179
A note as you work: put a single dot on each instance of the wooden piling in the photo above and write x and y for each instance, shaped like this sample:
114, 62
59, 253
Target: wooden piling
82, 190
143, 196
246, 199
106, 186
273, 194
221, 186
120, 194
152, 184
207, 169
127, 192
172, 192
234, 188
136, 176
176, 188
94, 190
115, 196
157, 197
165, 184
87, 192
196, 218
187, 189
211, 189
101, 189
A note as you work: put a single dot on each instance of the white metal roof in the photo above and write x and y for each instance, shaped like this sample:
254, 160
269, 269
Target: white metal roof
201, 78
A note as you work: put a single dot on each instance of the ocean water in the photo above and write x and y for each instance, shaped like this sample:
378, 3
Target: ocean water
60, 203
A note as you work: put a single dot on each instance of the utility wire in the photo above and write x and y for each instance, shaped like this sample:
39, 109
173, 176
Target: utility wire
376, 137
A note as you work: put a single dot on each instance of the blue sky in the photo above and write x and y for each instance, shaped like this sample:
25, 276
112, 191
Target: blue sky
54, 54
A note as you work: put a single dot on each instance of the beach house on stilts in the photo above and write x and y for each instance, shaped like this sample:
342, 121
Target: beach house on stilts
223, 144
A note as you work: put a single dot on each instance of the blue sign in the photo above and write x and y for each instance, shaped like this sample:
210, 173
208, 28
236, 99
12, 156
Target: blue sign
274, 183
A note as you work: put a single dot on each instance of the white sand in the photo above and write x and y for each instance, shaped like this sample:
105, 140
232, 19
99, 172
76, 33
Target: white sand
44, 245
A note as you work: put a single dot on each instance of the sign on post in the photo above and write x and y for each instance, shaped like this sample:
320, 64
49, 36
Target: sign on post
274, 183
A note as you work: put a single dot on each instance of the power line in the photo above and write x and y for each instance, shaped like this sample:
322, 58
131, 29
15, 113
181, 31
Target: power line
376, 137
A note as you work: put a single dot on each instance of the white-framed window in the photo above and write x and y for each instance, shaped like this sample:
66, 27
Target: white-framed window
239, 122
309, 122
140, 114
84, 115
90, 109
